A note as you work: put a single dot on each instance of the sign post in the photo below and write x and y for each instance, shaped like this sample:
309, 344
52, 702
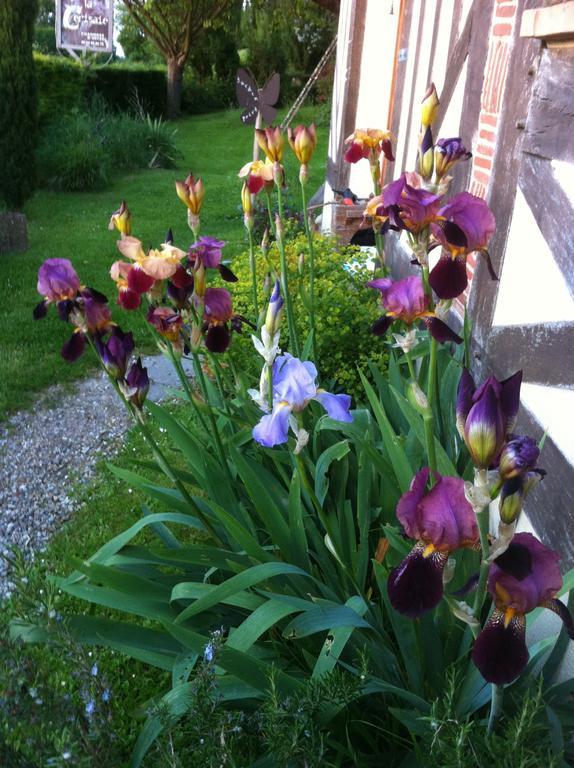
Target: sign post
85, 25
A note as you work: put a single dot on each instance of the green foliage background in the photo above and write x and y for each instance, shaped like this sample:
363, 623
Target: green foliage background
345, 308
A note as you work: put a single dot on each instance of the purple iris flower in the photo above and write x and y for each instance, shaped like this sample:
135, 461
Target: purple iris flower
486, 415
463, 225
406, 300
137, 384
441, 521
116, 351
58, 283
524, 577
447, 152
408, 205
207, 251
57, 280
294, 385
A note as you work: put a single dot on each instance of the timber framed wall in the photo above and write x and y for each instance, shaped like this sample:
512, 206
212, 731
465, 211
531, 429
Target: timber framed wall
511, 99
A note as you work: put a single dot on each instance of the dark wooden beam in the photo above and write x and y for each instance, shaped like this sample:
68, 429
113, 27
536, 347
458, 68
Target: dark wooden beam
548, 131
549, 506
545, 351
404, 32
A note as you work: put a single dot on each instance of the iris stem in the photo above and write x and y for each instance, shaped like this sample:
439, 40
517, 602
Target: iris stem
380, 246
428, 421
252, 267
270, 212
495, 707
219, 380
483, 519
182, 376
213, 423
269, 369
293, 341
409, 360
311, 274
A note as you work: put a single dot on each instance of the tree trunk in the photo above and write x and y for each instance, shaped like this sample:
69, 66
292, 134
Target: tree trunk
174, 88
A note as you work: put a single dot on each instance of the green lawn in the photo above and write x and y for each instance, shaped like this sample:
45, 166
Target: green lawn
74, 226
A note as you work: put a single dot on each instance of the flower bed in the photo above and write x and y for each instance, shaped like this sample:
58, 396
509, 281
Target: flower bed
341, 557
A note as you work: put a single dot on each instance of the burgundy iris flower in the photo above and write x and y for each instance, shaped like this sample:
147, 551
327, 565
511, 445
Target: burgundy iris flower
441, 521
136, 384
180, 287
486, 415
524, 577
116, 352
465, 224
219, 319
406, 300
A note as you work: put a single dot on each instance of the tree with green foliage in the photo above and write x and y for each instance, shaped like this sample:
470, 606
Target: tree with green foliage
18, 101
173, 26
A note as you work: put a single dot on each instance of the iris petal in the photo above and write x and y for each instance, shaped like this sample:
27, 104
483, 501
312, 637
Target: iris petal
337, 406
74, 347
562, 611
416, 586
448, 277
500, 651
274, 427
382, 325
440, 331
217, 338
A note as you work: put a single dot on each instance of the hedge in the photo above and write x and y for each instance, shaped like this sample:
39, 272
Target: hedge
18, 102
64, 86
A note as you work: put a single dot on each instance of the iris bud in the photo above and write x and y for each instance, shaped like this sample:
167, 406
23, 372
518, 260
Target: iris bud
274, 311
429, 107
513, 493
518, 456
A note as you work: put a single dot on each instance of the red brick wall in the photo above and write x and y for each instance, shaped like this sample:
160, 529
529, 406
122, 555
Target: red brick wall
501, 32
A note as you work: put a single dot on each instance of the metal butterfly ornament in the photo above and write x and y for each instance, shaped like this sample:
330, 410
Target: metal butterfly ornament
255, 99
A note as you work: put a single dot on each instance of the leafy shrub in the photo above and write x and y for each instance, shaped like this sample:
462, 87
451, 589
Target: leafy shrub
345, 308
82, 151
117, 83
62, 86
72, 157
208, 96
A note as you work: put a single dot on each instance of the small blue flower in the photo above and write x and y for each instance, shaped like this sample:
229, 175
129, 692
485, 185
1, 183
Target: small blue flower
106, 695
208, 653
94, 671
90, 707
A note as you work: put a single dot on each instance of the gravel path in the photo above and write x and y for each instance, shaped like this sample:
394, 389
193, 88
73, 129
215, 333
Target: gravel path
45, 451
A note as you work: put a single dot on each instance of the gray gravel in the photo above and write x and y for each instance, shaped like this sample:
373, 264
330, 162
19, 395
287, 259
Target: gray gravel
47, 450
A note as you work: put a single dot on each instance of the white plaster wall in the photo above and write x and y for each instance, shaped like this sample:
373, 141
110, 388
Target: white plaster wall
377, 64
532, 289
